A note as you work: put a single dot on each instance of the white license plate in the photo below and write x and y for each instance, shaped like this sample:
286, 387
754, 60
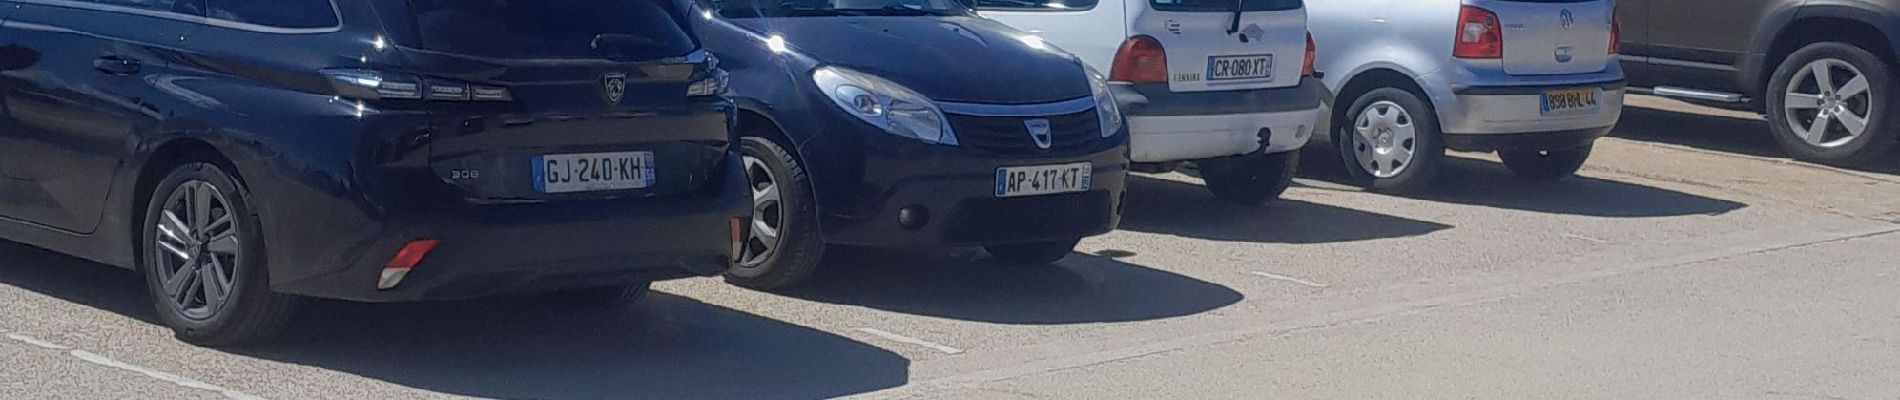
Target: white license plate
1570, 101
1220, 68
587, 172
1043, 179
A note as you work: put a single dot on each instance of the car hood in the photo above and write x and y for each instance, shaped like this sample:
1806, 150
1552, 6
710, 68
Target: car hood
956, 59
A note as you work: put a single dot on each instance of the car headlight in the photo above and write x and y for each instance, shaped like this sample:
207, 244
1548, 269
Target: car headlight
885, 104
1109, 113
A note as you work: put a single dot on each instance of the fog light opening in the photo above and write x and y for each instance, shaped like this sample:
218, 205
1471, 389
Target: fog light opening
405, 260
913, 217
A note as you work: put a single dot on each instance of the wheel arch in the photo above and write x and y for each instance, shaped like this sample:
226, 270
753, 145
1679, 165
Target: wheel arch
164, 156
1853, 22
1365, 81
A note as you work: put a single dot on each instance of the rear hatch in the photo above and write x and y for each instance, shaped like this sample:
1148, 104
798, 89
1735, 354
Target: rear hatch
596, 105
1211, 47
1551, 37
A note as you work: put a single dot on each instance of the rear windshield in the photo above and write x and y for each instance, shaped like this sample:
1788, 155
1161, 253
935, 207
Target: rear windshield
1226, 5
612, 29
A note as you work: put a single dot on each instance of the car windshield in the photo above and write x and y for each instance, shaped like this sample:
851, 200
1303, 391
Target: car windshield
819, 8
638, 29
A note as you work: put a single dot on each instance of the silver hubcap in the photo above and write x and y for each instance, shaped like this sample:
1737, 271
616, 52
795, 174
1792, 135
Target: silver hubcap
1828, 103
1385, 139
768, 213
197, 248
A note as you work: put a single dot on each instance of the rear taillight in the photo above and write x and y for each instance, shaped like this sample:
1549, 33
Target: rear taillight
1141, 60
1479, 36
1616, 34
374, 85
1312, 53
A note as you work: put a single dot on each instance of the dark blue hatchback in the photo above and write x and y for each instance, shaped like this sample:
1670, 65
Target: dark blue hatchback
911, 122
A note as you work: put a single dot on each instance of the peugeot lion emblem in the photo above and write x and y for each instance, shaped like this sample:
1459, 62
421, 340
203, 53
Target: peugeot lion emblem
1039, 131
1569, 19
616, 85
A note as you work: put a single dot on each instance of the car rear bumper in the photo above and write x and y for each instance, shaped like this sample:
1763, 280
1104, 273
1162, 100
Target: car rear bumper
494, 249
1518, 109
1166, 126
1551, 140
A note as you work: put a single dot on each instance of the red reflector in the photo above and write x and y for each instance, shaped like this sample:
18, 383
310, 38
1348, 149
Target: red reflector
411, 254
738, 238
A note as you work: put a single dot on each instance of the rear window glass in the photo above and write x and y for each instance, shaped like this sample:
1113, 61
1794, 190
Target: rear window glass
1036, 5
1226, 5
305, 14
612, 29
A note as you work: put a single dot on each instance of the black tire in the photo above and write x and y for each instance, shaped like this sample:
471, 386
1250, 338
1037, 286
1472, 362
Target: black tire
1882, 106
1035, 253
603, 296
1545, 165
251, 310
800, 247
1428, 144
1250, 180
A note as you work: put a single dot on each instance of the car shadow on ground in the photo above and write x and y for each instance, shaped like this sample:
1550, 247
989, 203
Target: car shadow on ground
1487, 183
1171, 207
1728, 134
965, 284
662, 347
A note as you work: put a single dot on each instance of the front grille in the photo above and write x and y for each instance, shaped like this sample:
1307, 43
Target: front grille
1008, 135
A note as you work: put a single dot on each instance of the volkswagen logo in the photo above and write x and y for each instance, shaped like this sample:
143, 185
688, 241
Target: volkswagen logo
1039, 131
616, 87
1569, 19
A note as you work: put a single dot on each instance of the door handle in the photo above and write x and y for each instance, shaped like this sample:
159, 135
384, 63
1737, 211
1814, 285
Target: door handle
116, 65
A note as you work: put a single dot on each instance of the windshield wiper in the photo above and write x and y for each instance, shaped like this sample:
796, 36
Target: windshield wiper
892, 10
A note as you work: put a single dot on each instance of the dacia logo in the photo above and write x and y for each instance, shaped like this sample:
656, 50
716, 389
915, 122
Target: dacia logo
1569, 19
1039, 132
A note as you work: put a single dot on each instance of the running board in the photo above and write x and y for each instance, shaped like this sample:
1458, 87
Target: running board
1692, 94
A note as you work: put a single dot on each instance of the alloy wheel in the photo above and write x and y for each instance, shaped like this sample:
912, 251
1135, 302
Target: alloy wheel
768, 213
1828, 103
198, 247
1385, 139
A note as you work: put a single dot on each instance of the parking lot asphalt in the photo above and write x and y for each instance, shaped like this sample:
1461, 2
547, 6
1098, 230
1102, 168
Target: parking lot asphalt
1690, 260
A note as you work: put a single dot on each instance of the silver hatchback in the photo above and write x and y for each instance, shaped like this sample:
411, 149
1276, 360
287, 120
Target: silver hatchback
1534, 80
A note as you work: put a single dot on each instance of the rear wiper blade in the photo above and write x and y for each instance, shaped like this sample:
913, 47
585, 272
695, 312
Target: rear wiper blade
1239, 7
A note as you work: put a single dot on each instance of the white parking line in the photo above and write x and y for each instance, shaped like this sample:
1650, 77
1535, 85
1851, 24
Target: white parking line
36, 342
1288, 279
90, 357
1588, 239
910, 340
174, 379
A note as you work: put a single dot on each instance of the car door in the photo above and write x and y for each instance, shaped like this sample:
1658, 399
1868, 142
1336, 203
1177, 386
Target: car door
71, 113
1701, 31
1090, 29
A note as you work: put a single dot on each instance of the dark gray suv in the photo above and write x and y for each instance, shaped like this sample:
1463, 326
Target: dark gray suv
1821, 70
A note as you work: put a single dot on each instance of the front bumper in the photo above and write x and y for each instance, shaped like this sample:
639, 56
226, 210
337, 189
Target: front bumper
1167, 126
495, 249
861, 195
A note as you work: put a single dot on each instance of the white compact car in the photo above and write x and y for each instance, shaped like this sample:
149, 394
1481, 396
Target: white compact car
1534, 80
1226, 84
